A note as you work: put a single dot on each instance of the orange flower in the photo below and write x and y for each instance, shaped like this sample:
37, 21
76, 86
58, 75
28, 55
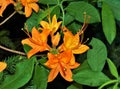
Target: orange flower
38, 41
29, 5
52, 26
4, 4
72, 42
3, 65
61, 63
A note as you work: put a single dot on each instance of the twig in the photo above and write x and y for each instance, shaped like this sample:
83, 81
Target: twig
7, 18
18, 52
12, 51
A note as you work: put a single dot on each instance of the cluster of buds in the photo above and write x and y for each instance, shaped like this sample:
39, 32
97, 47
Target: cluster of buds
61, 52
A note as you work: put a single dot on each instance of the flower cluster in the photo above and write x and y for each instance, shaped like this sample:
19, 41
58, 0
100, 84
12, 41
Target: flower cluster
19, 4
61, 58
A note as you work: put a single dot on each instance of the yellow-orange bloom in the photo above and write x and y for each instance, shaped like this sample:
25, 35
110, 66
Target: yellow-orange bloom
3, 65
61, 63
4, 4
52, 26
38, 41
72, 42
29, 5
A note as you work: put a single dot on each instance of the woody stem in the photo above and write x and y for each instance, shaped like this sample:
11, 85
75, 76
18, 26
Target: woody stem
7, 18
12, 51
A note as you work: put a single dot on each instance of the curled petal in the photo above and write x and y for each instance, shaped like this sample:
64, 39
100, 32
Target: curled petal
66, 73
81, 49
32, 52
74, 66
34, 6
53, 73
28, 11
55, 39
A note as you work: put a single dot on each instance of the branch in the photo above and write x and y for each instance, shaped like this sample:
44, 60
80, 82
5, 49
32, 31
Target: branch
12, 51
7, 18
18, 52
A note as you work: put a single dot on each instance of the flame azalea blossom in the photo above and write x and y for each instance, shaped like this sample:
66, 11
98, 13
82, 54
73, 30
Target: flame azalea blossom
52, 26
72, 42
3, 65
38, 41
4, 4
61, 63
29, 5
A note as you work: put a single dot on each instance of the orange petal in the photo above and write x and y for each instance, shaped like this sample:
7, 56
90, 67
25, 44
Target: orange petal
32, 52
28, 11
53, 73
81, 49
66, 73
44, 24
34, 6
72, 61
3, 65
74, 66
70, 41
28, 42
55, 39
31, 1
66, 56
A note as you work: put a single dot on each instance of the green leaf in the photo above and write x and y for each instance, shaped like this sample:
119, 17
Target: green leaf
74, 27
22, 75
115, 6
52, 2
32, 21
90, 10
75, 86
68, 19
40, 77
90, 78
108, 23
35, 18
26, 48
112, 68
97, 55
83, 66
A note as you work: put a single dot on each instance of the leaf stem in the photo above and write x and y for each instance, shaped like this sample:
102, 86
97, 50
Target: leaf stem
63, 13
7, 18
107, 83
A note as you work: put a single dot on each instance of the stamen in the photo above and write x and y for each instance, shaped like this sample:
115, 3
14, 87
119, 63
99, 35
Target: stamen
85, 24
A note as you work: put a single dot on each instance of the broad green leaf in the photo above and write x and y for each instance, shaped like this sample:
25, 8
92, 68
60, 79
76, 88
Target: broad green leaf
74, 27
115, 6
22, 75
32, 21
75, 86
112, 68
55, 11
97, 55
68, 19
108, 23
90, 78
52, 2
83, 66
40, 77
35, 18
77, 9
26, 48
45, 14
